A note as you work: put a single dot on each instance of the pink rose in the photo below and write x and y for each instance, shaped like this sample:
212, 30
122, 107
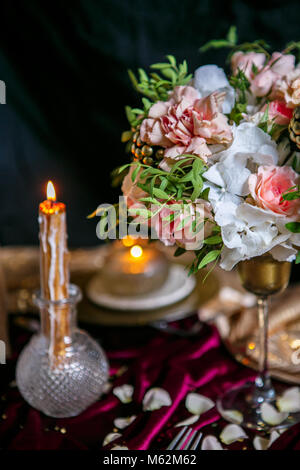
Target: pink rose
268, 185
247, 62
278, 112
186, 124
263, 76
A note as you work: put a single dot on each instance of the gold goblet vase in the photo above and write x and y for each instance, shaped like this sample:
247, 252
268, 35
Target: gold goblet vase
262, 276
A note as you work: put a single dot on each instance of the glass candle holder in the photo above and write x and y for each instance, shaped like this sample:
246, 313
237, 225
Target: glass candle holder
262, 276
62, 370
134, 271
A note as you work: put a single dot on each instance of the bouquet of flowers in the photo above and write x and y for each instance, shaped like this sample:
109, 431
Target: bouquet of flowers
215, 159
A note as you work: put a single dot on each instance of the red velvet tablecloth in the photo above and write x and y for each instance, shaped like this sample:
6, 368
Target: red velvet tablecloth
179, 365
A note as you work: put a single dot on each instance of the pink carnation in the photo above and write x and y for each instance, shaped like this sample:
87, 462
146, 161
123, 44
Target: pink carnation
268, 185
186, 124
170, 231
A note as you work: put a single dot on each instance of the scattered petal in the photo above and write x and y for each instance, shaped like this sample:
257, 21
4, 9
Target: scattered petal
232, 433
211, 443
186, 422
260, 443
289, 401
233, 415
119, 448
124, 393
274, 435
198, 404
122, 423
270, 415
112, 436
107, 387
155, 398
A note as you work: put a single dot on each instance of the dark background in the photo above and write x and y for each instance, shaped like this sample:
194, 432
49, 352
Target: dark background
65, 67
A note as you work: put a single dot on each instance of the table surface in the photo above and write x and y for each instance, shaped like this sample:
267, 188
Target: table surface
144, 358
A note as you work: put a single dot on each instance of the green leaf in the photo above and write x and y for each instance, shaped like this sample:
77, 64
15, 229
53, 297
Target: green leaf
135, 173
215, 44
151, 199
143, 75
160, 194
172, 60
204, 195
123, 167
297, 261
293, 227
126, 135
214, 240
211, 256
232, 35
160, 65
179, 251
129, 114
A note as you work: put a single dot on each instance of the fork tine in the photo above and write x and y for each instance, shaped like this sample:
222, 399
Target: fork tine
196, 441
178, 436
184, 438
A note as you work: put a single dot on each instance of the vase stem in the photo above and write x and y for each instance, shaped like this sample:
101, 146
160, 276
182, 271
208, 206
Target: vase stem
263, 382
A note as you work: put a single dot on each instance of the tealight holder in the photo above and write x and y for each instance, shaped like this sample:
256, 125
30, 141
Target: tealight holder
62, 370
134, 271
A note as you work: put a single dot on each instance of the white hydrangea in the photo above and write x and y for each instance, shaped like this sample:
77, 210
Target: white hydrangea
210, 78
247, 230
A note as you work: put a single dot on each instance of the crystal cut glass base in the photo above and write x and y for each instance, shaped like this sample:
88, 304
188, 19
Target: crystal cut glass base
65, 383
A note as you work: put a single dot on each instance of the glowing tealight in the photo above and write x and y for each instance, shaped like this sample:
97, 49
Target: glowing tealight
128, 241
51, 195
251, 346
136, 251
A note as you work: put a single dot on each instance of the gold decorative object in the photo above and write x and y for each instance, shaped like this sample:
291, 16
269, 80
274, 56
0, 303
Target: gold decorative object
294, 127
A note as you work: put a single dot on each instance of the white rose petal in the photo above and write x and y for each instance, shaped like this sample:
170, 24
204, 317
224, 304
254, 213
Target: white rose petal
260, 443
188, 421
233, 415
155, 399
122, 423
198, 404
211, 443
271, 416
119, 448
274, 435
112, 436
210, 78
124, 393
289, 401
232, 433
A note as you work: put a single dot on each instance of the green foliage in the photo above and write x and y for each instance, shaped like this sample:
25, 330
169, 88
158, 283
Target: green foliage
291, 194
241, 84
293, 227
156, 85
231, 42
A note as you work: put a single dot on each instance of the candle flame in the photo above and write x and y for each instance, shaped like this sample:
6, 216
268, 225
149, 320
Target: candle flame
128, 241
51, 195
136, 251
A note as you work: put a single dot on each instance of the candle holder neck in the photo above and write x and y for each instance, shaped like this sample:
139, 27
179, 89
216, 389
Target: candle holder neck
58, 321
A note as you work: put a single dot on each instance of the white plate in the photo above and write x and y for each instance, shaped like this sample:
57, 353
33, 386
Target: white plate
177, 286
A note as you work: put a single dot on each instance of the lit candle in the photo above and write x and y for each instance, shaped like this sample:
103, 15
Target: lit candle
54, 270
133, 269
